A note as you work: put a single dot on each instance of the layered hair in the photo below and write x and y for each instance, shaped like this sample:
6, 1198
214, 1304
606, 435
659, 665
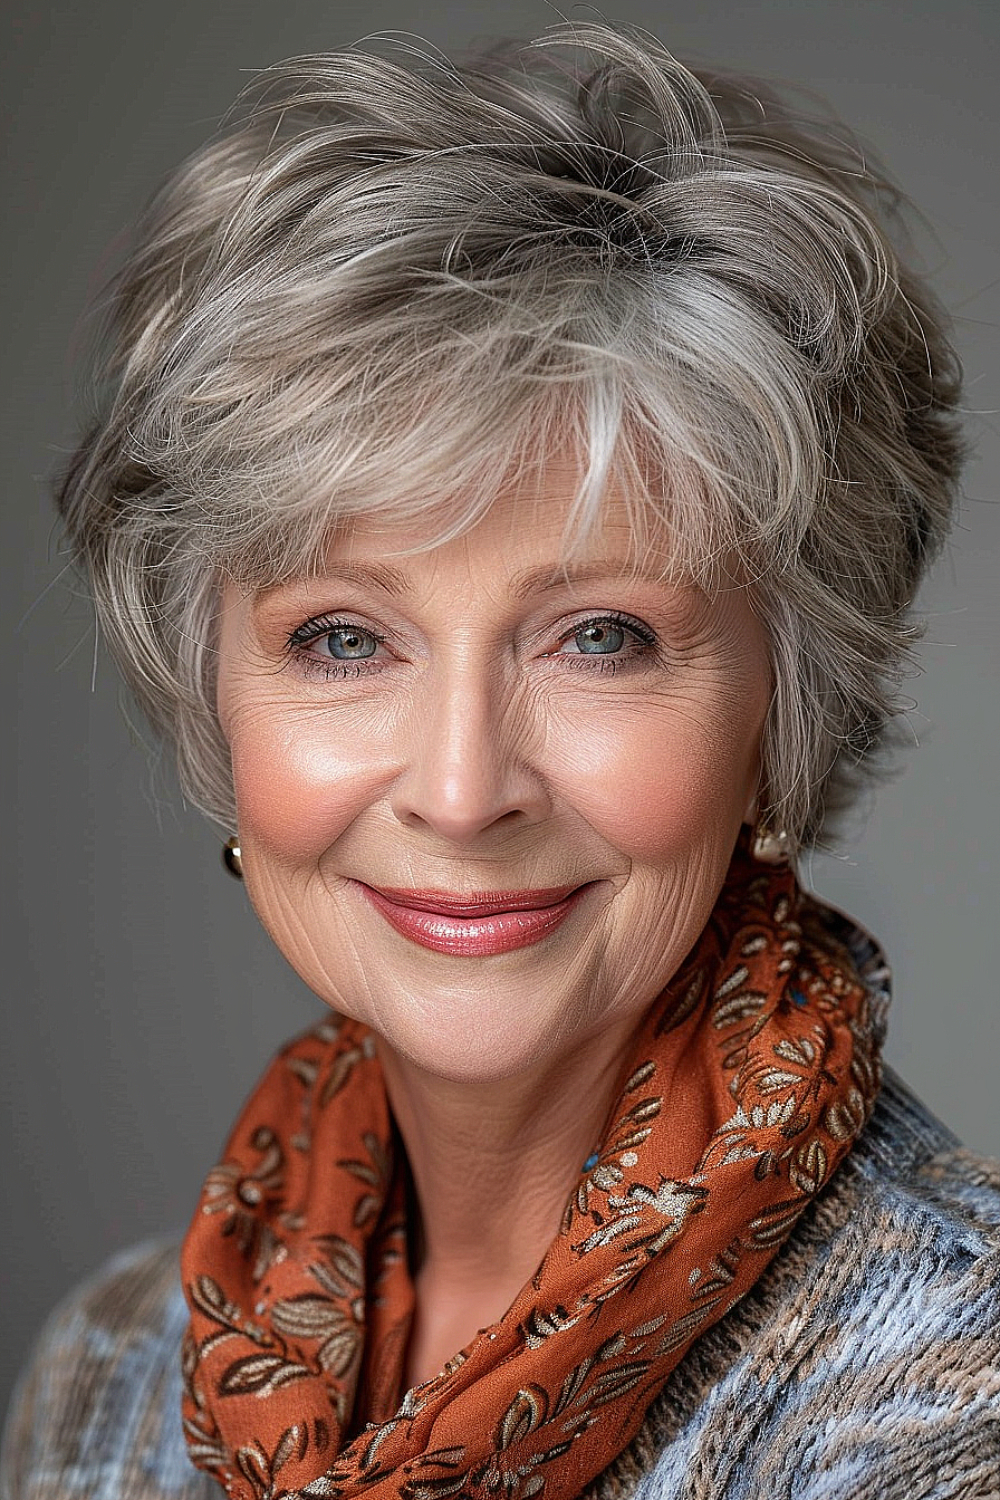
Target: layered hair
392, 285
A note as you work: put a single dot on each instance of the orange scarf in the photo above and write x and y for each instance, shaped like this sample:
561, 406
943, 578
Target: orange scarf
295, 1266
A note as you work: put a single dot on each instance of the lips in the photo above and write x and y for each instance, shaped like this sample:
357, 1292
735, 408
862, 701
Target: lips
475, 926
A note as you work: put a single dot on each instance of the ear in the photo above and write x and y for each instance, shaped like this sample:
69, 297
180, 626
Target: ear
752, 811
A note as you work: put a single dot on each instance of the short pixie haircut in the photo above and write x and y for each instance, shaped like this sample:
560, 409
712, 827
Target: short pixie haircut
392, 285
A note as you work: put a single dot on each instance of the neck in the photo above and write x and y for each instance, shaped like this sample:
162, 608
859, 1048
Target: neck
493, 1164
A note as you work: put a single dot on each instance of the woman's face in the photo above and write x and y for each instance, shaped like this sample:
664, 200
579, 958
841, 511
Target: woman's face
484, 809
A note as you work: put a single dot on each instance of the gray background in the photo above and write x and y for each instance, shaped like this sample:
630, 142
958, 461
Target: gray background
140, 1000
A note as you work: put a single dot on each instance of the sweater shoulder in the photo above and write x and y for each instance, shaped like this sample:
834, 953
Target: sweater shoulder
96, 1414
867, 1358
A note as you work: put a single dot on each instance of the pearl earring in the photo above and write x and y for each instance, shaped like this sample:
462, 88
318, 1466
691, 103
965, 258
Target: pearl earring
231, 857
771, 848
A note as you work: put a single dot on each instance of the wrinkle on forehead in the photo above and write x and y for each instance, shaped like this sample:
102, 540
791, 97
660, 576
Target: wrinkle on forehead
533, 526
529, 529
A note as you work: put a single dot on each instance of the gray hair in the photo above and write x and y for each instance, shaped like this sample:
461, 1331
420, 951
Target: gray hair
392, 283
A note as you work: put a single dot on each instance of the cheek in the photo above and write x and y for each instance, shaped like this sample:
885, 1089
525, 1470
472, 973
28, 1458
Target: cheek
656, 781
299, 785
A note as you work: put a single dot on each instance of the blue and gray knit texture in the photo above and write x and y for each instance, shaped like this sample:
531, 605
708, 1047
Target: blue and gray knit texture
865, 1363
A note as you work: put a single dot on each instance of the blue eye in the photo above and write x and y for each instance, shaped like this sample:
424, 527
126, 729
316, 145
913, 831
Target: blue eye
599, 638
349, 643
615, 638
335, 648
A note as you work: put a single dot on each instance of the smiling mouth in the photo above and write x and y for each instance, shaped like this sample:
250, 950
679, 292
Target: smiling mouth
475, 926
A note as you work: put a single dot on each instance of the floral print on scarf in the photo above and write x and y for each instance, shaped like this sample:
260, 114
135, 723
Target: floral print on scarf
296, 1268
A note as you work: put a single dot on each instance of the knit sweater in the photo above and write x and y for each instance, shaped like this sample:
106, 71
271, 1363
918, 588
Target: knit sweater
865, 1362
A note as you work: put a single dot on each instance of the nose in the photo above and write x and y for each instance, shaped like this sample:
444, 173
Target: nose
471, 762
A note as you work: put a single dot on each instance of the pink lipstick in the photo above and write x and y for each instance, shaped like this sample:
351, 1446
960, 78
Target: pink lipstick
475, 926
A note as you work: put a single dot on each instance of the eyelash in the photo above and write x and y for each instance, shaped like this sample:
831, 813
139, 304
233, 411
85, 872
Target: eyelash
315, 630
643, 643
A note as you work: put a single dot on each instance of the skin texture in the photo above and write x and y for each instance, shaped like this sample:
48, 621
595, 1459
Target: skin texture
485, 744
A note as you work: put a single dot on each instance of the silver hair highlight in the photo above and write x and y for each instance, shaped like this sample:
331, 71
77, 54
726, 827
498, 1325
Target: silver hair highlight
393, 285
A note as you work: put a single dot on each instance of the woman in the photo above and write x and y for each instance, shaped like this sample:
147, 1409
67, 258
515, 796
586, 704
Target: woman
512, 486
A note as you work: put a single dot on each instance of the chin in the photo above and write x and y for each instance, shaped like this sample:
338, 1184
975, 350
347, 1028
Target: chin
474, 1036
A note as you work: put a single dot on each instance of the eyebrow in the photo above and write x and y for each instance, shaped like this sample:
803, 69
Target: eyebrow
390, 580
544, 579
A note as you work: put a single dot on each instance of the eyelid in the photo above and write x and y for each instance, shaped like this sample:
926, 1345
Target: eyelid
644, 640
638, 628
311, 663
321, 625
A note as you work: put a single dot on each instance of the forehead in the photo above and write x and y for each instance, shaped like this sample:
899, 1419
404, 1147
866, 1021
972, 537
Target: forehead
537, 529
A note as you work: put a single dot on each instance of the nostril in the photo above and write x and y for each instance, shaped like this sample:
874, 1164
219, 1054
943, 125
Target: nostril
466, 790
